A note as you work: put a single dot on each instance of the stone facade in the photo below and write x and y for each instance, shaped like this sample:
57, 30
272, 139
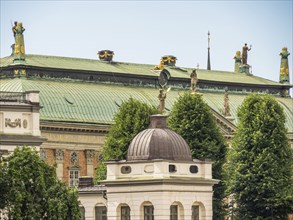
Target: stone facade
19, 120
152, 183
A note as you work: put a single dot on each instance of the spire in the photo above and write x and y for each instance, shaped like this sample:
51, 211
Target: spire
209, 61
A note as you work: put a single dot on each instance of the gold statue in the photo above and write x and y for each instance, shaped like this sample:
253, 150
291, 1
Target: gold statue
19, 52
160, 66
237, 59
162, 97
194, 80
284, 67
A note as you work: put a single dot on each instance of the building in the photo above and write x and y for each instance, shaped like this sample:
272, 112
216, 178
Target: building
66, 105
159, 178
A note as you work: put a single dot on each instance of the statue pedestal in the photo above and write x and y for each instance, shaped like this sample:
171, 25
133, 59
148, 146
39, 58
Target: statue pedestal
18, 61
245, 69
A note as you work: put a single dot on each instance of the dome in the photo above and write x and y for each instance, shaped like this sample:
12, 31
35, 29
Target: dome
158, 142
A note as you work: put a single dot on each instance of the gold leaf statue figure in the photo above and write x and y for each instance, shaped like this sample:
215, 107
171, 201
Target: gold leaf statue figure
19, 51
284, 68
160, 66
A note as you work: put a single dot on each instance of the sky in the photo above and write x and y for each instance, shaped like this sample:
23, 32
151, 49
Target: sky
144, 31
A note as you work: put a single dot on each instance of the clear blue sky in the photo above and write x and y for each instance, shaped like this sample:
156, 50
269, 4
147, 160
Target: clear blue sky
143, 31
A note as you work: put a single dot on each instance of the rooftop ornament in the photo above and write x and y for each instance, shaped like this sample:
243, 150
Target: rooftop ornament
226, 105
106, 55
160, 66
237, 59
18, 47
193, 81
244, 67
284, 67
169, 60
163, 80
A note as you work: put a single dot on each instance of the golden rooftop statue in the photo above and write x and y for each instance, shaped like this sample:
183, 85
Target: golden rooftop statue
160, 66
18, 51
237, 59
284, 67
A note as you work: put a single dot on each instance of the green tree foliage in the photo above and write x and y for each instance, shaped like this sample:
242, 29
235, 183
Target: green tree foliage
260, 162
133, 116
192, 119
32, 191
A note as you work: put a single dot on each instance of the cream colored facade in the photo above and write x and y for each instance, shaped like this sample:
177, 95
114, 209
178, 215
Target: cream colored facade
19, 121
145, 183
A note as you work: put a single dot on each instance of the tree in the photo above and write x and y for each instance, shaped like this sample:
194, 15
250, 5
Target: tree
260, 162
32, 190
192, 119
133, 116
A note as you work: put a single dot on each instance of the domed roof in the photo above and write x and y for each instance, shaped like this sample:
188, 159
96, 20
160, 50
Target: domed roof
158, 142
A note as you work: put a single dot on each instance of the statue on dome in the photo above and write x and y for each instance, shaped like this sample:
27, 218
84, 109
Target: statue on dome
194, 80
237, 59
284, 67
245, 49
19, 52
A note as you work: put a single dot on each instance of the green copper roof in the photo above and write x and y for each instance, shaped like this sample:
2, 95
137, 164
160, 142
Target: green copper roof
74, 101
131, 68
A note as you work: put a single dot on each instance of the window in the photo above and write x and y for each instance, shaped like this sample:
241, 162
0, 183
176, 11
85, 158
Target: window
148, 212
193, 169
126, 169
173, 212
125, 213
82, 212
73, 177
101, 212
172, 168
195, 212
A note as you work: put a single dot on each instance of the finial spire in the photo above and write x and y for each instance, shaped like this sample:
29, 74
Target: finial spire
209, 61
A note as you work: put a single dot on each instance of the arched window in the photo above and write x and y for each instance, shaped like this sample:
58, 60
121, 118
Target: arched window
198, 211
148, 212
174, 212
195, 212
125, 213
101, 213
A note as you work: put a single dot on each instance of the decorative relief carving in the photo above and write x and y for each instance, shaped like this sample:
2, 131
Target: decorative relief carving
89, 156
24, 123
74, 157
59, 154
13, 124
